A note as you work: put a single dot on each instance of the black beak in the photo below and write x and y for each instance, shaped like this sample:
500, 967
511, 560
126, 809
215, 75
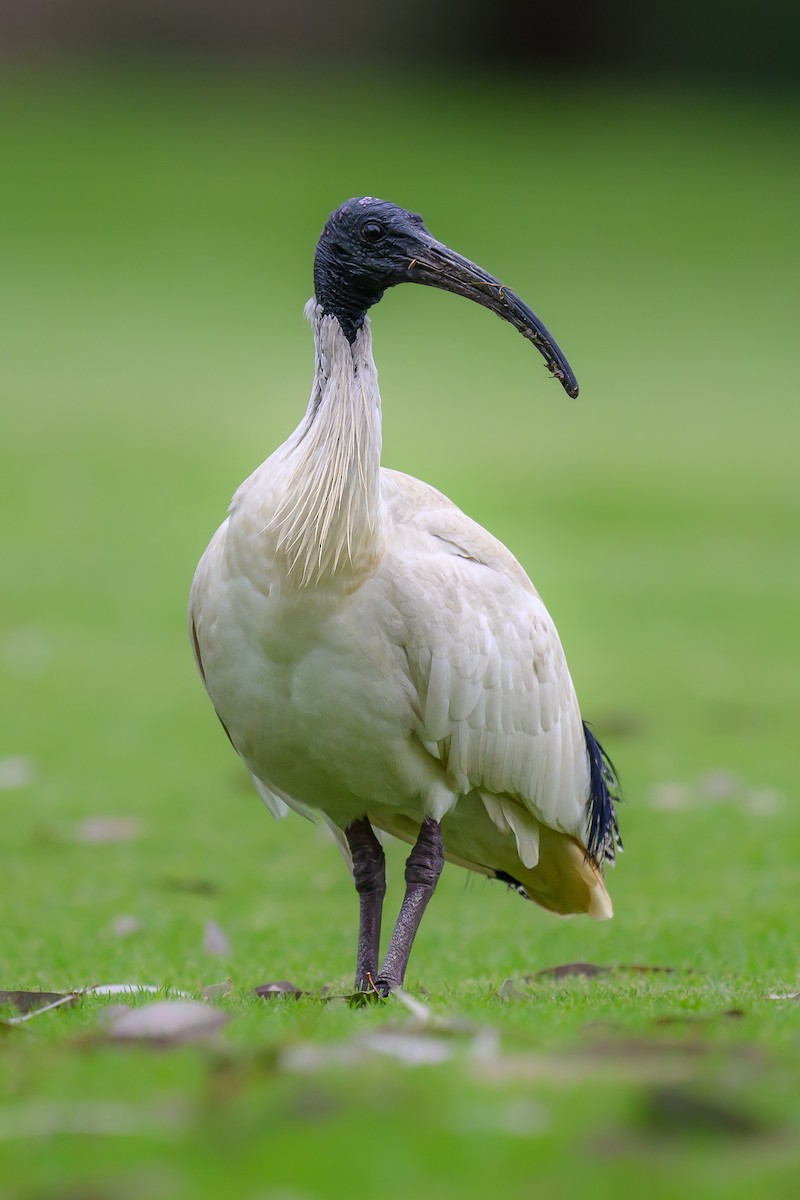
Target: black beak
438, 266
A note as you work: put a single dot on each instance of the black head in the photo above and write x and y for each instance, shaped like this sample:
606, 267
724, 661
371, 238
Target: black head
370, 245
365, 247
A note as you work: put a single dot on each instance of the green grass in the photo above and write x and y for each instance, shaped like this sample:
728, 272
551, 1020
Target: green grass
157, 235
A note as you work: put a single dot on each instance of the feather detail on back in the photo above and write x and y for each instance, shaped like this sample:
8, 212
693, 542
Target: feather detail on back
604, 793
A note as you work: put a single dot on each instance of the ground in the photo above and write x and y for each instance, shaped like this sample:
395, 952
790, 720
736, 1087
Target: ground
159, 230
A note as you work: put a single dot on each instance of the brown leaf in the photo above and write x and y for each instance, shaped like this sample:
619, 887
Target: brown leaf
281, 987
588, 970
617, 724
36, 1012
197, 887
168, 1022
508, 991
215, 991
26, 1002
697, 1018
677, 1110
215, 941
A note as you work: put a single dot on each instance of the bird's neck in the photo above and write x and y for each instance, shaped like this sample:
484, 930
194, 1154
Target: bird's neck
330, 522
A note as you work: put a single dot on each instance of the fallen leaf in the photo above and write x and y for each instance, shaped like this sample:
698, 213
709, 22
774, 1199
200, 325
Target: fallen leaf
168, 1022
70, 998
413, 1049
99, 830
697, 1018
617, 724
281, 987
198, 887
719, 785
677, 1110
311, 1056
508, 991
214, 940
215, 991
669, 795
588, 970
16, 772
124, 925
763, 802
26, 1002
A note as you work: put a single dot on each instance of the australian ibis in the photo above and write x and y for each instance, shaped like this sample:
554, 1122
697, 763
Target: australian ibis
374, 655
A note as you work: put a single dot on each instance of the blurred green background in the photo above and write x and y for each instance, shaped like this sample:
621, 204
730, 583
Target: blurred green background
158, 215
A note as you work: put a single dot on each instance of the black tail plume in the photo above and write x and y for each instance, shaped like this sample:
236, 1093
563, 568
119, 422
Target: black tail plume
604, 794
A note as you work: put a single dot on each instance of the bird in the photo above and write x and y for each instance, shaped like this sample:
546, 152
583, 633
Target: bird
376, 656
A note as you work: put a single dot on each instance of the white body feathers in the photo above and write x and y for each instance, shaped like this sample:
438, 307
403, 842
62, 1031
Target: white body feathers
372, 651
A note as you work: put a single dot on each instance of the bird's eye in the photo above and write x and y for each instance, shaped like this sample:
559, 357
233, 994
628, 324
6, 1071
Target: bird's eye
372, 231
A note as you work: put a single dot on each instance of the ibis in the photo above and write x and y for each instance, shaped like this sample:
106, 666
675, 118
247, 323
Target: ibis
377, 657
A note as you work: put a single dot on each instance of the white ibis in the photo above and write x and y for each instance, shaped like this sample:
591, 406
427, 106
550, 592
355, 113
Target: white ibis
375, 655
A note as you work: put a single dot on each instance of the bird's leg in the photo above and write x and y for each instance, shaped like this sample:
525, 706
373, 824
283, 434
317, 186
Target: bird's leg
423, 868
369, 873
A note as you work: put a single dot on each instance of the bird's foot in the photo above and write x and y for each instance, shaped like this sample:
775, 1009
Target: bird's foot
384, 985
371, 990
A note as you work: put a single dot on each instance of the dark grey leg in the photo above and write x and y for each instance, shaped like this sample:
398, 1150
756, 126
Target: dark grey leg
423, 868
369, 872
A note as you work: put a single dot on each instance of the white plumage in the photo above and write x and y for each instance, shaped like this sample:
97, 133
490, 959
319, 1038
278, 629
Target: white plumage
374, 653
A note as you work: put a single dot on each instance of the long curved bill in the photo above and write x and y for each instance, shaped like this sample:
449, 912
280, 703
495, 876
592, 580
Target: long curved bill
439, 266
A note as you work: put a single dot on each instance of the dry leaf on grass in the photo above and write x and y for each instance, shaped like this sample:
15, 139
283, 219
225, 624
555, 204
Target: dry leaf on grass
509, 991
280, 987
413, 1049
215, 991
99, 830
124, 925
677, 1110
589, 970
196, 887
697, 1018
16, 772
36, 1010
26, 1002
716, 787
410, 1047
214, 940
167, 1022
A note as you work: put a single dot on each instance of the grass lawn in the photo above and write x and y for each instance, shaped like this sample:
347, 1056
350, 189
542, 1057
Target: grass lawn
157, 233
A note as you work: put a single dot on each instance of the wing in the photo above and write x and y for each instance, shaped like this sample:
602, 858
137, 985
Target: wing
496, 702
